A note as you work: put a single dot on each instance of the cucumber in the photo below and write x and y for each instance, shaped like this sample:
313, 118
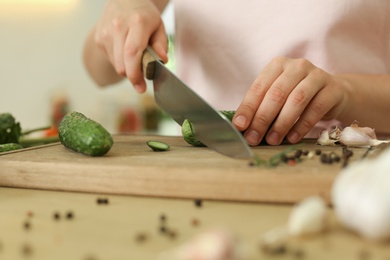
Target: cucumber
158, 146
188, 133
83, 135
9, 147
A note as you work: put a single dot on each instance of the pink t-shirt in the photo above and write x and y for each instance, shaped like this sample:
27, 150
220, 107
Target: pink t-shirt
221, 46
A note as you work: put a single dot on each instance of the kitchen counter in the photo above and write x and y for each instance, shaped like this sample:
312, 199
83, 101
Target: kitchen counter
128, 227
52, 203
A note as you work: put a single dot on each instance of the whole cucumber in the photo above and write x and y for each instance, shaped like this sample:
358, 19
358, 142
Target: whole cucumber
9, 147
83, 135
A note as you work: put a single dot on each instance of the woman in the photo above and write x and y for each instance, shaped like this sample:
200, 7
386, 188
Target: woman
285, 66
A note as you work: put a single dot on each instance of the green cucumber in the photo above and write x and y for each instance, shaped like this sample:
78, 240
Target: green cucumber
9, 147
188, 131
158, 146
83, 135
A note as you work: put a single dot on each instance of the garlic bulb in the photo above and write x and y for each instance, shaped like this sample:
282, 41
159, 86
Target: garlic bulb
308, 217
361, 197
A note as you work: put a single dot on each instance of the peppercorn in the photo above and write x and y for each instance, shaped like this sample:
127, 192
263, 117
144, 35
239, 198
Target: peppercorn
325, 159
298, 153
26, 249
305, 152
101, 201
318, 151
198, 203
26, 225
141, 237
56, 216
163, 229
69, 215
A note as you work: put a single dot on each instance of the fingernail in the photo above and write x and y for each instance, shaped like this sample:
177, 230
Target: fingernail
138, 88
253, 137
293, 137
240, 121
273, 138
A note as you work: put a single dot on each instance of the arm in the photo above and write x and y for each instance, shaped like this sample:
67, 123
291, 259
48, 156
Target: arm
113, 49
298, 95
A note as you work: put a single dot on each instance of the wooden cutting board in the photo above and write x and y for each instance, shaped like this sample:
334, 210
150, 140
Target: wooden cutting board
132, 168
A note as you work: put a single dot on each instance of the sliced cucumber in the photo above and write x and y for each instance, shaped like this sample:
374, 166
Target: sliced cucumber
158, 146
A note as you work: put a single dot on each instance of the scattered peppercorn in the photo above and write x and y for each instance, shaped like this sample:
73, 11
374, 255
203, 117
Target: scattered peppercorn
163, 229
298, 253
298, 153
163, 218
69, 215
141, 237
26, 249
198, 203
101, 201
27, 225
56, 216
172, 234
305, 152
325, 159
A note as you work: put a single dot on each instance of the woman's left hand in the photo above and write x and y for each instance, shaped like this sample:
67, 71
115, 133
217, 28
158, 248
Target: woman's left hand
287, 99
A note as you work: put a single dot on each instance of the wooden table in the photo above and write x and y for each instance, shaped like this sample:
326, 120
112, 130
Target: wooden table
29, 230
110, 231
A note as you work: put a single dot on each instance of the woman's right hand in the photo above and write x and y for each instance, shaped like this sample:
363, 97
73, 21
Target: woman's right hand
123, 33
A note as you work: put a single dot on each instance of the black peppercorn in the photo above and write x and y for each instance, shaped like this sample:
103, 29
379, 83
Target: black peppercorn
101, 201
298, 154
69, 215
26, 225
198, 203
56, 216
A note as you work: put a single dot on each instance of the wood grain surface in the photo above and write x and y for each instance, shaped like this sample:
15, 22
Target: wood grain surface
132, 168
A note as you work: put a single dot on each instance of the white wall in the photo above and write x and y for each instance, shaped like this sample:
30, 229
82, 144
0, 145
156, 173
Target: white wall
41, 55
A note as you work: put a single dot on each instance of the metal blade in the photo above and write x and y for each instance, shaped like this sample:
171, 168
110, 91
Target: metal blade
211, 127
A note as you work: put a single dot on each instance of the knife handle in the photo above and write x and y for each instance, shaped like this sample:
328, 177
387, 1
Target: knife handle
149, 58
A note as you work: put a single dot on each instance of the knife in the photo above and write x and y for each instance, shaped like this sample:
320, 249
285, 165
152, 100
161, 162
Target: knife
211, 127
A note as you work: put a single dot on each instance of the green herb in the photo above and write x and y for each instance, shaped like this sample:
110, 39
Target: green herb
276, 159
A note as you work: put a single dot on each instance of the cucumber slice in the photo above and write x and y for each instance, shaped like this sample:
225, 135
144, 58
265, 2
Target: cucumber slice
158, 146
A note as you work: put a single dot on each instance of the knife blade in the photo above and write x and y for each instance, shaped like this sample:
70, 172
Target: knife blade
179, 101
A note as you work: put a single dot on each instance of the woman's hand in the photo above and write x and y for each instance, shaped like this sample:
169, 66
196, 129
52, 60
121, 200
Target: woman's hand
287, 99
123, 32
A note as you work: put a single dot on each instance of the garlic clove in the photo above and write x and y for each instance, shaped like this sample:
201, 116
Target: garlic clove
335, 134
308, 217
361, 197
355, 136
212, 244
324, 139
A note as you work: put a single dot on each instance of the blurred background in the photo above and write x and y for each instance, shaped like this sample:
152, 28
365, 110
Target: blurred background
42, 74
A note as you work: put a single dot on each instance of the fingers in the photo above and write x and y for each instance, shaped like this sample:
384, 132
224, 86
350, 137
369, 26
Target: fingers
136, 43
124, 35
287, 99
